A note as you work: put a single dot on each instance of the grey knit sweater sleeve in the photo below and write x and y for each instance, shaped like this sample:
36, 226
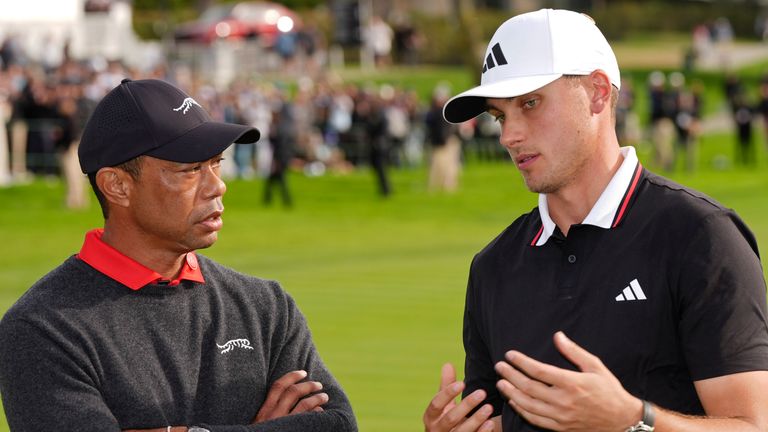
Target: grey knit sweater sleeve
81, 352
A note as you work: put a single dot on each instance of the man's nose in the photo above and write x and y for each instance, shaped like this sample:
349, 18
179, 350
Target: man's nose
214, 185
512, 133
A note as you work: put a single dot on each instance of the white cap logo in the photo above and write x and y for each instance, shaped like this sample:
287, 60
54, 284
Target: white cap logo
186, 105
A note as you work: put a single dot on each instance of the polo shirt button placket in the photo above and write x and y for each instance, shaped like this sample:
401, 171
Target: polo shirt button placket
572, 258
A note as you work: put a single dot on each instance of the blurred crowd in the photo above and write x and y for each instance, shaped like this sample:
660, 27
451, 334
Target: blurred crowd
313, 125
322, 124
674, 119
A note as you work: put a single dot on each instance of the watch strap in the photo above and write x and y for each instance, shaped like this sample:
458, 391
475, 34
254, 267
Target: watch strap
649, 415
647, 422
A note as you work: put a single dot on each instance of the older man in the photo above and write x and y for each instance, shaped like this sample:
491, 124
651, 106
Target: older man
137, 331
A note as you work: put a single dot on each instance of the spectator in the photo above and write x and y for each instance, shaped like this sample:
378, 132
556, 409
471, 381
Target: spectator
687, 125
743, 116
626, 120
662, 127
378, 41
444, 143
283, 141
370, 110
762, 107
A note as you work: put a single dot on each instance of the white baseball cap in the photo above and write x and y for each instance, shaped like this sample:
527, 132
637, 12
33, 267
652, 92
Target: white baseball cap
530, 51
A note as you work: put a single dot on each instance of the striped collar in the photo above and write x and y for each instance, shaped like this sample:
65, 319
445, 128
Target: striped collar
610, 208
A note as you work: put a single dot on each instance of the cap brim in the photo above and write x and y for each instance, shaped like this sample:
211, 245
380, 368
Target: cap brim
472, 102
205, 141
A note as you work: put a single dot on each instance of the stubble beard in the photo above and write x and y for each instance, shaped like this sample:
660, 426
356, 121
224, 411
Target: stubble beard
545, 186
558, 178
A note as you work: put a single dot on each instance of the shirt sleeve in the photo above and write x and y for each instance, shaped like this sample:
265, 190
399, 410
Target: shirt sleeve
293, 349
721, 300
43, 386
479, 372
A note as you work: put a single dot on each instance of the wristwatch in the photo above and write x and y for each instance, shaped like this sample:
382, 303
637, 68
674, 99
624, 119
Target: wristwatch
646, 424
197, 429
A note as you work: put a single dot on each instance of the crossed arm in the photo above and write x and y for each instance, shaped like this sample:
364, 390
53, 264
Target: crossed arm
592, 399
288, 395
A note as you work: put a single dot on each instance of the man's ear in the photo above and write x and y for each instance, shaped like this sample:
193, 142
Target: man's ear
600, 86
115, 184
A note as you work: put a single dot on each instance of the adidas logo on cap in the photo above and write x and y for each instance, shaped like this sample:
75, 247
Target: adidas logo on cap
495, 57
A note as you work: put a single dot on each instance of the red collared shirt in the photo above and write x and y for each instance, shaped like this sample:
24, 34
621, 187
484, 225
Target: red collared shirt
125, 270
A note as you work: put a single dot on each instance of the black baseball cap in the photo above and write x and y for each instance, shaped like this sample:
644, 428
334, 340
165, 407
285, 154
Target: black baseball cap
154, 118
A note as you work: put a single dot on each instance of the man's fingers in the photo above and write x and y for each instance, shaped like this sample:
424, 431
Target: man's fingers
458, 414
280, 386
537, 370
447, 375
477, 421
535, 411
310, 403
293, 394
583, 359
522, 382
443, 398
535, 419
522, 400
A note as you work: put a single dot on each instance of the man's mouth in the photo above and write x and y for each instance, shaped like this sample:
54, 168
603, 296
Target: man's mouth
525, 160
213, 222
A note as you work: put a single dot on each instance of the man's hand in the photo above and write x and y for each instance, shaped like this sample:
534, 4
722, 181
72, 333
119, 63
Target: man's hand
290, 396
443, 414
564, 400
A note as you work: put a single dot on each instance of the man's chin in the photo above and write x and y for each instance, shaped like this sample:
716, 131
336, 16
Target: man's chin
540, 187
206, 241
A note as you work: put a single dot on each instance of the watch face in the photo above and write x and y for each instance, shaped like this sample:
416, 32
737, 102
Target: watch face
197, 429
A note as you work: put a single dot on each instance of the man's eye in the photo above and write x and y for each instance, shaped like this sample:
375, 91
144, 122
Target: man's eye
193, 169
530, 103
499, 119
217, 162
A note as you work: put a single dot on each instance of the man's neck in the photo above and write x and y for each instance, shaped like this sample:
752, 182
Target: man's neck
166, 263
571, 204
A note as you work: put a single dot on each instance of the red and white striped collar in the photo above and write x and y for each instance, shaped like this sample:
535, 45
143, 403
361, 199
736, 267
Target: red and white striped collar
610, 208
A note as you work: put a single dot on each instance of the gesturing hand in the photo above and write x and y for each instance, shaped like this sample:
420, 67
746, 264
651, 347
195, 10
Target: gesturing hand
290, 396
564, 400
443, 414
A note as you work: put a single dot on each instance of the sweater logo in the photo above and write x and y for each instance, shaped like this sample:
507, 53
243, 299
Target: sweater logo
235, 343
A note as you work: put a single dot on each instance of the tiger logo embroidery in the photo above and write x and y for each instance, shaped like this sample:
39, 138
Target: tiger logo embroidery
235, 343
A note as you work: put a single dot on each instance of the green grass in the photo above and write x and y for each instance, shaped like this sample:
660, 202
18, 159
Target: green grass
380, 281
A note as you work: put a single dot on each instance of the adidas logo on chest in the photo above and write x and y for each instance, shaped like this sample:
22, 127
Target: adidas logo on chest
633, 292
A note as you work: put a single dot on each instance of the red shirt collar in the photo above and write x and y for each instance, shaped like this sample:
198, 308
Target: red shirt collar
125, 270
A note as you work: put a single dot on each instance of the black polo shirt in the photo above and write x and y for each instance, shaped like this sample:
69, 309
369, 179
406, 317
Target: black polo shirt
661, 282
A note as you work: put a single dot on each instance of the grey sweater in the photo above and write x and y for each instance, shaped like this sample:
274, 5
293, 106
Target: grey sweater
82, 352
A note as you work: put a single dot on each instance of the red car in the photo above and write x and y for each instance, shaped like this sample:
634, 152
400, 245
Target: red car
245, 20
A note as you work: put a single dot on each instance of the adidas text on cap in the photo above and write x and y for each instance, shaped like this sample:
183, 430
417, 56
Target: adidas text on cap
532, 50
154, 118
